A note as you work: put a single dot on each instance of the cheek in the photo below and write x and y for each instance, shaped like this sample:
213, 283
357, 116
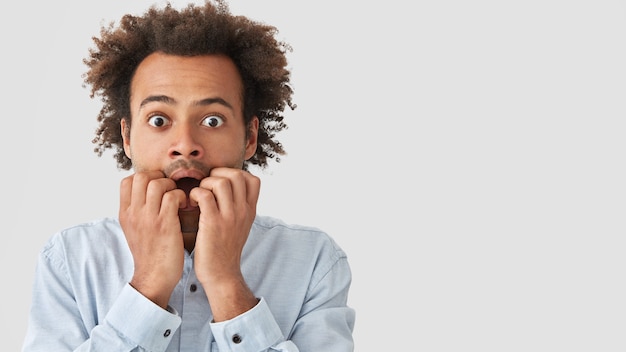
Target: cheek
224, 151
144, 150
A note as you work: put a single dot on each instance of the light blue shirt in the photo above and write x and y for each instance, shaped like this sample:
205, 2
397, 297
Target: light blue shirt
81, 299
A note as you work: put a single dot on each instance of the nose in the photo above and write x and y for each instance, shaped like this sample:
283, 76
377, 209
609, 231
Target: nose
186, 143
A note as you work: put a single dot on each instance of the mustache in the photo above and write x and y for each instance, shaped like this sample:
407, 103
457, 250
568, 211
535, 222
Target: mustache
187, 164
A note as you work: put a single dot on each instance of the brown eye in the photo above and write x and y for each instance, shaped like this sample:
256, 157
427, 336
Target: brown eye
213, 121
158, 121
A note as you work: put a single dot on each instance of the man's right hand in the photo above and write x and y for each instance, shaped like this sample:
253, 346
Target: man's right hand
148, 214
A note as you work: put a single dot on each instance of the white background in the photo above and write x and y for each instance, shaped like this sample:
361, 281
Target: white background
467, 155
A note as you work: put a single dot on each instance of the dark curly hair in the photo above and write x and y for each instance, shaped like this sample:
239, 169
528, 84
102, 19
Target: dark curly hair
193, 30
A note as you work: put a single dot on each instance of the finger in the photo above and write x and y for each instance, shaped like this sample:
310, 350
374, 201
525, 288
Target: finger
126, 186
205, 200
222, 191
172, 201
155, 191
237, 183
140, 185
246, 186
253, 188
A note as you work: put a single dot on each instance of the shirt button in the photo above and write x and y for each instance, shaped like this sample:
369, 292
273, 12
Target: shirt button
193, 288
236, 339
167, 333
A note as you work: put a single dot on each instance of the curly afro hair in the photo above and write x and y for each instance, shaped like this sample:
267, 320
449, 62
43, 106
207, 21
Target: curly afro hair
193, 30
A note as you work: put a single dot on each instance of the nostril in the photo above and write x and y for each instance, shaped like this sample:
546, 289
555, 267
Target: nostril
192, 153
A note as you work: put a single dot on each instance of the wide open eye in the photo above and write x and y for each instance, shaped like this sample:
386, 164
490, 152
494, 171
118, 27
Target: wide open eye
158, 121
213, 121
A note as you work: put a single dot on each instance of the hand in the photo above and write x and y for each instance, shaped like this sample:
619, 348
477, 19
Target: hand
148, 214
227, 201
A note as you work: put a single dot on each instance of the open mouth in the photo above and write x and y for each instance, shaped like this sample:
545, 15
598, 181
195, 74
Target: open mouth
187, 184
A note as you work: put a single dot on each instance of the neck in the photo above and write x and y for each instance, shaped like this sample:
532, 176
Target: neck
189, 240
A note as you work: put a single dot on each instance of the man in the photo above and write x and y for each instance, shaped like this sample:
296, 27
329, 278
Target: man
191, 98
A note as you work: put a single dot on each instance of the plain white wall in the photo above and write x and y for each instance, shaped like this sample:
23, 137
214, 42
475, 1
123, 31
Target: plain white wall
468, 156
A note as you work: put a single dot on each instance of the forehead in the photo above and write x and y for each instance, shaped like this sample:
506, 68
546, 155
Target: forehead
186, 79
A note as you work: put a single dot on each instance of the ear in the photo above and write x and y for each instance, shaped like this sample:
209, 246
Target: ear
125, 129
252, 137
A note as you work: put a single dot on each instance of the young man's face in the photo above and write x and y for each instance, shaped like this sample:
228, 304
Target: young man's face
186, 116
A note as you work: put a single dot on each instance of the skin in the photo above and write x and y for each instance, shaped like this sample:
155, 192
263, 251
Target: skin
187, 121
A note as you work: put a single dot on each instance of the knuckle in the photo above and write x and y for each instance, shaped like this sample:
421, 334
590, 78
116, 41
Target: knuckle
173, 195
254, 180
153, 187
141, 177
222, 182
126, 181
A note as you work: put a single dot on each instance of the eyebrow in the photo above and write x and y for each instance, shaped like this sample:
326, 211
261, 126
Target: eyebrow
171, 101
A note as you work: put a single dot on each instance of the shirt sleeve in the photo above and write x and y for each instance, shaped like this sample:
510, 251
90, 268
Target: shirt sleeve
148, 326
56, 323
325, 324
253, 330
